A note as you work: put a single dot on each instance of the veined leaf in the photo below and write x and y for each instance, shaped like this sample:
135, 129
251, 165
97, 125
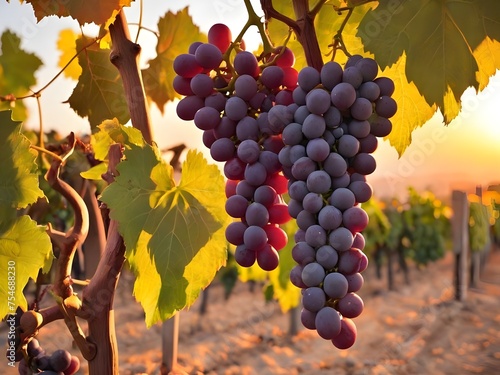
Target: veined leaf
96, 11
110, 132
413, 110
17, 72
18, 177
66, 44
439, 38
25, 248
176, 33
99, 93
174, 234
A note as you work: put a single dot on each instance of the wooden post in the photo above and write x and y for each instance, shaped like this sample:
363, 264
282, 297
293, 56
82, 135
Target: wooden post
460, 231
294, 314
170, 339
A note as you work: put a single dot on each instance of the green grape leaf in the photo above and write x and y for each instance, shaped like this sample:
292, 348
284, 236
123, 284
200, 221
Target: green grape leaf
18, 174
25, 248
110, 132
174, 234
99, 93
96, 11
17, 73
66, 44
176, 33
439, 38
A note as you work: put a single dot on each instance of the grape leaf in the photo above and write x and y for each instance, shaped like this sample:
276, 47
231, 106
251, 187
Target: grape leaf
487, 55
84, 11
176, 33
99, 93
66, 44
18, 177
413, 110
174, 234
25, 247
17, 72
110, 132
439, 38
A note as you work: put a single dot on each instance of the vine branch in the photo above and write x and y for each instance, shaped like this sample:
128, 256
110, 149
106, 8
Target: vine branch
125, 56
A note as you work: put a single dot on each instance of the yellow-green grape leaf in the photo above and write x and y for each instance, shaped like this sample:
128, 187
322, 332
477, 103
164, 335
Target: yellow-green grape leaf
24, 250
110, 132
439, 38
18, 174
487, 55
99, 93
176, 33
17, 73
287, 294
174, 234
67, 46
84, 11
413, 109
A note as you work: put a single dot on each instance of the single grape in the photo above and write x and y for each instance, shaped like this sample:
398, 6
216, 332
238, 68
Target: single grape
73, 367
352, 261
220, 36
278, 213
347, 335
246, 63
314, 126
308, 78
201, 85
316, 236
355, 282
257, 214
355, 219
272, 77
342, 198
244, 257
350, 306
313, 299
236, 206
268, 258
340, 239
207, 118
330, 217
308, 318
254, 238
331, 75
303, 254
236, 108
319, 182
247, 128
276, 236
343, 95
313, 274
222, 149
245, 87
327, 323
327, 256
255, 174
235, 231
60, 360
318, 101
386, 106
335, 285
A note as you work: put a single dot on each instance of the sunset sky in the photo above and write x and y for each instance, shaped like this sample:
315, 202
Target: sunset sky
460, 156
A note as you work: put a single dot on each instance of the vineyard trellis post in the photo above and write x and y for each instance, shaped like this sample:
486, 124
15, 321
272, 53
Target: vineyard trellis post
460, 231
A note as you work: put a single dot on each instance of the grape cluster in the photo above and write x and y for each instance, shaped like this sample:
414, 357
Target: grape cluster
327, 155
60, 362
234, 102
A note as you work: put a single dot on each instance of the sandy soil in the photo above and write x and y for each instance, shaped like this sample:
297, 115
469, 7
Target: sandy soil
416, 329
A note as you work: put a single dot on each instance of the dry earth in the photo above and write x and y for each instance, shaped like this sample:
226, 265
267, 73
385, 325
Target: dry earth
416, 329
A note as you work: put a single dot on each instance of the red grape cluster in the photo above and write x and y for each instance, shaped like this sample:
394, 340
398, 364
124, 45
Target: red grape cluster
234, 102
60, 362
310, 133
327, 155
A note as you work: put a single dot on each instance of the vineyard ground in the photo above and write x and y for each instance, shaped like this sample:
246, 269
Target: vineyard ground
416, 329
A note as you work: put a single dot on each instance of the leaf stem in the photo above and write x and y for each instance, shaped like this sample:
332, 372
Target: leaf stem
45, 151
10, 98
140, 21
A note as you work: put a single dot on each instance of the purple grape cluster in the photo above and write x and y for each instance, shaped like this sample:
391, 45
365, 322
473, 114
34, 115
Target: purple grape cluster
60, 362
234, 104
327, 154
